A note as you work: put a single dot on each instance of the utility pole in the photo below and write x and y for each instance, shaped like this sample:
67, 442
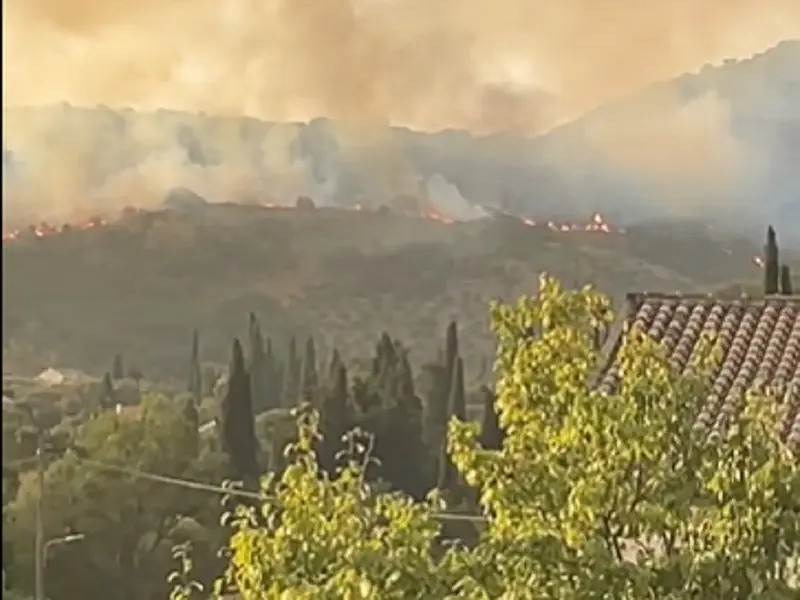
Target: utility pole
39, 541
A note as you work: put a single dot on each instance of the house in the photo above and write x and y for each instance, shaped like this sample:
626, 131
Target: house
54, 377
760, 339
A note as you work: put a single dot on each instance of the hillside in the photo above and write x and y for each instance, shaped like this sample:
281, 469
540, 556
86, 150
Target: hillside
720, 144
141, 284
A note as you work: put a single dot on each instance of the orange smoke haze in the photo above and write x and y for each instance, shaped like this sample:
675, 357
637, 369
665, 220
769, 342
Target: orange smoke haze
431, 64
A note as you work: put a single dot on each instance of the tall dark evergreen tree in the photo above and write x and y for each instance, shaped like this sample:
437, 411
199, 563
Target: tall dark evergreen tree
434, 388
292, 373
274, 377
458, 395
107, 397
405, 378
310, 380
335, 420
195, 384
259, 368
333, 366
448, 476
491, 433
192, 416
786, 281
450, 352
118, 368
393, 413
236, 416
771, 263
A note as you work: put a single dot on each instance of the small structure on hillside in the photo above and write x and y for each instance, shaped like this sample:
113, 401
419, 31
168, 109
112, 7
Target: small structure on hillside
54, 377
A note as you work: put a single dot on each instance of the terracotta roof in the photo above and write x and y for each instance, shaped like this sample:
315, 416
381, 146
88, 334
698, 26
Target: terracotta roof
760, 339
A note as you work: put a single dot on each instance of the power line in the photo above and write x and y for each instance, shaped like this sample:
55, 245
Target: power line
216, 489
211, 488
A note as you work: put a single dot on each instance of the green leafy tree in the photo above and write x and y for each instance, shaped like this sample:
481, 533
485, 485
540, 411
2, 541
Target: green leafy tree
619, 495
491, 432
592, 495
129, 523
332, 537
237, 421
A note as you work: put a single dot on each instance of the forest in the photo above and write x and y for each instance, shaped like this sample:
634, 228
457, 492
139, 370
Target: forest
296, 477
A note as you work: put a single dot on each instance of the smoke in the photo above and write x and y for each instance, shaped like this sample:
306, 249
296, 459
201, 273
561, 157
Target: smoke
518, 65
447, 199
432, 64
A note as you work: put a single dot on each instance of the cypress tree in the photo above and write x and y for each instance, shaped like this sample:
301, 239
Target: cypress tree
258, 368
118, 368
448, 476
450, 353
786, 281
393, 413
192, 416
310, 380
771, 263
334, 420
291, 388
195, 384
406, 378
277, 376
106, 394
434, 388
236, 415
457, 404
384, 367
491, 433
333, 367
274, 385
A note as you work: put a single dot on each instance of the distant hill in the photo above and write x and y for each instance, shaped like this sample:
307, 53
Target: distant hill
722, 144
140, 285
674, 149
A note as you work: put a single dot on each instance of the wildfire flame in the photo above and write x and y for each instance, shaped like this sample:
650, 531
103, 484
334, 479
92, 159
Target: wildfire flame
43, 229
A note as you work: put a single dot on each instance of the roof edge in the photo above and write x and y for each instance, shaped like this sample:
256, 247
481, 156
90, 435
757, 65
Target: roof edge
635, 299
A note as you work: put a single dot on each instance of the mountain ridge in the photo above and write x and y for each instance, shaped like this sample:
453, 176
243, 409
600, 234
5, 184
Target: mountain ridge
119, 153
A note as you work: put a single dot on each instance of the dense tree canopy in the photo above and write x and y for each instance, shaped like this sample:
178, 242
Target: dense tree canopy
129, 524
590, 496
560, 492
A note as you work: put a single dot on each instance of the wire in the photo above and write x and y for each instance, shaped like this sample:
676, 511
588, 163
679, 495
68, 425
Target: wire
19, 462
211, 488
216, 489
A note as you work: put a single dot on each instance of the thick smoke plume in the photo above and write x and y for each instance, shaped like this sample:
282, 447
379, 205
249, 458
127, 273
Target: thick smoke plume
432, 64
515, 65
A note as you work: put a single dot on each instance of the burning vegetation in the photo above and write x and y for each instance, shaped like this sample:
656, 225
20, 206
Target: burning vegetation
597, 223
41, 229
